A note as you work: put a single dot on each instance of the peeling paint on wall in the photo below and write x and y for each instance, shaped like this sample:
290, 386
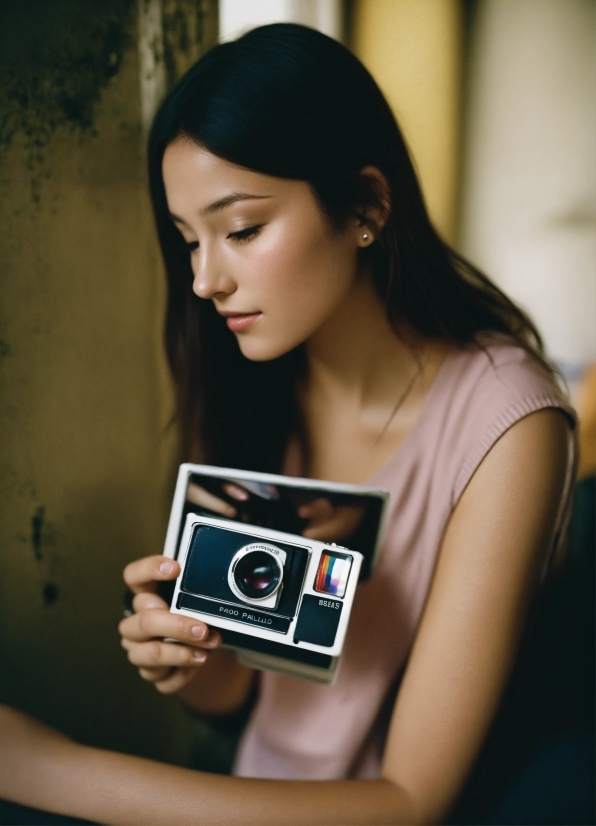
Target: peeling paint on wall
190, 28
36, 529
172, 35
50, 593
56, 59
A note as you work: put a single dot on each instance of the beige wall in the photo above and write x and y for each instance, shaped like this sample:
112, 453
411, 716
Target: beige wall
86, 464
413, 50
529, 193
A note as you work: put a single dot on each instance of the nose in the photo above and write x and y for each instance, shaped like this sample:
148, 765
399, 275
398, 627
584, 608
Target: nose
210, 277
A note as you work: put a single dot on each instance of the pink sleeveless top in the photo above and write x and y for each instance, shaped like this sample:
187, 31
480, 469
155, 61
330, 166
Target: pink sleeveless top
301, 730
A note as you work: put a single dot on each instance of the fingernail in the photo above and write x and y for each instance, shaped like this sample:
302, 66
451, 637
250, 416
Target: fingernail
199, 631
166, 567
230, 511
200, 656
238, 493
213, 641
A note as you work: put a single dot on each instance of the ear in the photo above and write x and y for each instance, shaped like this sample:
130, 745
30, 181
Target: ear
375, 209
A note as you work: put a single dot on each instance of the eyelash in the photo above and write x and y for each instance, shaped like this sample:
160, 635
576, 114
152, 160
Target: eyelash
189, 246
242, 236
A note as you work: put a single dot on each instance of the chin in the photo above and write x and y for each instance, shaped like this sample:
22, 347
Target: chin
261, 349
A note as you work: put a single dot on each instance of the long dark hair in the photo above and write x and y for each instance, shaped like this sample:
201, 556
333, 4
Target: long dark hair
287, 101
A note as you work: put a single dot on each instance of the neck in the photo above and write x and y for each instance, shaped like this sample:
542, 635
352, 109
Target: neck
357, 353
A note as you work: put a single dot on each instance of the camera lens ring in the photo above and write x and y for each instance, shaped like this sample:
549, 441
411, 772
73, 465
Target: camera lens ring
256, 572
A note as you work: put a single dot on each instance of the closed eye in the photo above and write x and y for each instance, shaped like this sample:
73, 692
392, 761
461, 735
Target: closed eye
247, 234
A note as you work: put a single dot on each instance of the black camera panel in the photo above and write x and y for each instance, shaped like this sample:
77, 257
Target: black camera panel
209, 559
318, 620
243, 641
247, 615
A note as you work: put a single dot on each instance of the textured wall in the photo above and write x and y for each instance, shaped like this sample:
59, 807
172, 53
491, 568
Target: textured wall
86, 459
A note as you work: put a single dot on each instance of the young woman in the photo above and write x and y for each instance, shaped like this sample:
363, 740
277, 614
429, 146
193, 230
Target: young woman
318, 325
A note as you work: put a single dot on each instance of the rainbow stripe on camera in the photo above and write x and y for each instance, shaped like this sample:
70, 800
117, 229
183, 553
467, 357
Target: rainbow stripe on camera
332, 573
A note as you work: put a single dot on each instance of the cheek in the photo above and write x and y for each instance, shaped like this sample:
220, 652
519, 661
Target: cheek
300, 278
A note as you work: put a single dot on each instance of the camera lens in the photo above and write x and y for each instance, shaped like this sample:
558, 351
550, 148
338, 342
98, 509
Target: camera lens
257, 574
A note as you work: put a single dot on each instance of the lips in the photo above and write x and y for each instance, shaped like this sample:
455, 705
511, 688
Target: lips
241, 321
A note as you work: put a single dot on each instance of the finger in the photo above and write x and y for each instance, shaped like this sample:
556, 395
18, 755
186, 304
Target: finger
328, 530
145, 601
236, 492
157, 622
341, 525
176, 680
212, 642
144, 574
199, 496
154, 675
317, 509
157, 654
322, 533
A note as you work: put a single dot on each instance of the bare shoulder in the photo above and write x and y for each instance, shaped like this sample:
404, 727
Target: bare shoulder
503, 527
523, 475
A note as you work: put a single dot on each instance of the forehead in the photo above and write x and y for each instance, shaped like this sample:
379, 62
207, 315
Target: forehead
193, 174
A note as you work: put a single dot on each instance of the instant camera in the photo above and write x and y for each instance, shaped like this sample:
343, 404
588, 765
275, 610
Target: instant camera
280, 599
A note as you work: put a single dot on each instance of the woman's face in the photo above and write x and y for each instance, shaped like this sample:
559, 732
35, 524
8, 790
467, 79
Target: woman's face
260, 249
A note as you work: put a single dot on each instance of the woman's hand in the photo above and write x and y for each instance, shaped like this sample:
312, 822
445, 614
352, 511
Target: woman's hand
330, 523
201, 497
168, 665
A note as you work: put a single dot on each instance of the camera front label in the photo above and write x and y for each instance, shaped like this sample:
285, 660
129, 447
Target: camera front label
233, 612
327, 603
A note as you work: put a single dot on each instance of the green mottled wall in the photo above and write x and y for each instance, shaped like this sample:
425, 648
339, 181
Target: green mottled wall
86, 459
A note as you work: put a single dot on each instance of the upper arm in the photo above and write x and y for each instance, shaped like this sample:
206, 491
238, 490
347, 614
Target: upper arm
489, 567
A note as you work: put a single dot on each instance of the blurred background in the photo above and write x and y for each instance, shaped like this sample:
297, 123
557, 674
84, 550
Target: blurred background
496, 100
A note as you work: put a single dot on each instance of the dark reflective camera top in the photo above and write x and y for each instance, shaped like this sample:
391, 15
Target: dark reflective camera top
257, 574
355, 517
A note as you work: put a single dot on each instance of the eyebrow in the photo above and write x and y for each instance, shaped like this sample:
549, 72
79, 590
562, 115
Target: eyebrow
217, 206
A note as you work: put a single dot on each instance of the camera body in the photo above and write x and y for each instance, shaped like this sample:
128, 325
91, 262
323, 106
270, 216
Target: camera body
282, 601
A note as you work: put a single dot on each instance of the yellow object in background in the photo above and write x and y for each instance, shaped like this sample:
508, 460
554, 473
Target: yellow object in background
413, 50
586, 410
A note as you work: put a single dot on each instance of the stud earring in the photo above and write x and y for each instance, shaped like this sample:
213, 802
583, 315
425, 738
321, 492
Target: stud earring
365, 236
